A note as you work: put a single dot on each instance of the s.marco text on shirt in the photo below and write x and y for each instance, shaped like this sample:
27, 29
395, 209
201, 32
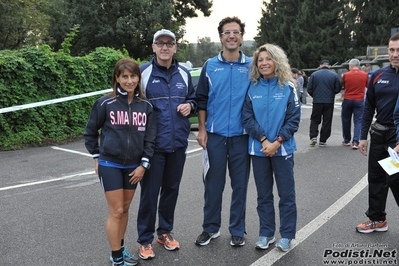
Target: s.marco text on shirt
122, 118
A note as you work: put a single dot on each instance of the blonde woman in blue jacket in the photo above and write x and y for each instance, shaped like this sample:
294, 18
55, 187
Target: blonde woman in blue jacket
271, 115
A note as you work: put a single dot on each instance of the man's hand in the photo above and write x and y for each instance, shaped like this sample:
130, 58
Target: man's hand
202, 138
363, 147
184, 109
396, 148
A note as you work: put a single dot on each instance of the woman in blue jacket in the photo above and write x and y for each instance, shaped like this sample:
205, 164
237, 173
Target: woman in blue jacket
271, 115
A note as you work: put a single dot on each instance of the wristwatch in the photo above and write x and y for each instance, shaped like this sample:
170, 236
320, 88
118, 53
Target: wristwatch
279, 139
145, 164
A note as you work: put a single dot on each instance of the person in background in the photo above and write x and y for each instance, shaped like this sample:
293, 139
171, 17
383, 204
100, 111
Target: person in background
271, 141
354, 83
220, 95
367, 69
305, 85
381, 98
300, 82
128, 130
169, 88
295, 75
322, 86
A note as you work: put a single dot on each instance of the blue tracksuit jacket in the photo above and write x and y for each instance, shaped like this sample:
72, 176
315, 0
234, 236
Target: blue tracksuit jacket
270, 110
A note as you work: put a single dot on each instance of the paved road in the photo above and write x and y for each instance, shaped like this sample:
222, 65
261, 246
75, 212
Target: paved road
53, 211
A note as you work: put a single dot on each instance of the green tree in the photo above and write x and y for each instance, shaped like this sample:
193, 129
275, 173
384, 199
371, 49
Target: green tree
128, 24
185, 52
248, 50
22, 23
373, 20
308, 31
205, 49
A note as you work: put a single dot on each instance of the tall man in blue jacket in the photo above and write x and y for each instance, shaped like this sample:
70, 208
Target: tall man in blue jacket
221, 92
381, 99
169, 88
322, 86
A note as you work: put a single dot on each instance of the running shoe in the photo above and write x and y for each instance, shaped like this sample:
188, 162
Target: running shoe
322, 144
204, 238
146, 252
117, 263
371, 226
129, 259
264, 242
284, 244
237, 241
345, 143
168, 241
313, 142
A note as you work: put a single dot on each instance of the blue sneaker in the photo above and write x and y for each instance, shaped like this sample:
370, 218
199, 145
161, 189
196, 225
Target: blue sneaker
128, 258
284, 244
264, 242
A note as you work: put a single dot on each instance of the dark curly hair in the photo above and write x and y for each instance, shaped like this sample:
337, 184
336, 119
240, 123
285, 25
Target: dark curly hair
229, 20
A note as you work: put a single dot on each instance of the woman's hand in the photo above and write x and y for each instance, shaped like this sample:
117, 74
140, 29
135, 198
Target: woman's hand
270, 148
136, 175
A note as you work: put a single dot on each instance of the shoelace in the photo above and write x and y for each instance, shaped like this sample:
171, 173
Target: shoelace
167, 237
127, 254
372, 223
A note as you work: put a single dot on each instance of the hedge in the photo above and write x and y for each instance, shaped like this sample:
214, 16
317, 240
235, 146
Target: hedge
35, 74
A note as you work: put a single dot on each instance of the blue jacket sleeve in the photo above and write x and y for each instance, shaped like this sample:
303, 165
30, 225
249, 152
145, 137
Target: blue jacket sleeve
292, 116
191, 97
337, 85
150, 134
248, 120
202, 89
396, 119
310, 86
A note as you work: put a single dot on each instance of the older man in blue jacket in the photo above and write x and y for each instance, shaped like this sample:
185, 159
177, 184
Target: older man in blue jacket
168, 87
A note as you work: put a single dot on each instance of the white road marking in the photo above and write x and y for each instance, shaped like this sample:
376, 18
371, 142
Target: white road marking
194, 150
71, 151
275, 254
46, 181
65, 177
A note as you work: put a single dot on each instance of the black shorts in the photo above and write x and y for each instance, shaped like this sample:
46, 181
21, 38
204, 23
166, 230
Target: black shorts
112, 178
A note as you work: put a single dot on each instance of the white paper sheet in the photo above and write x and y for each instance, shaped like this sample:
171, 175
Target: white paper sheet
389, 166
205, 163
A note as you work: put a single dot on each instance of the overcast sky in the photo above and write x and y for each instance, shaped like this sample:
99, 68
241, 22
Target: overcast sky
249, 11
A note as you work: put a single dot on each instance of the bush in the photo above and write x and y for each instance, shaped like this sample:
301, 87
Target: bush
35, 74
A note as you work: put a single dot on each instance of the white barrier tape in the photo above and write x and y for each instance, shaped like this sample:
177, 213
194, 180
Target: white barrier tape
65, 99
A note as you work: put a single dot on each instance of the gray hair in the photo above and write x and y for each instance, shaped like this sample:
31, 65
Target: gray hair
354, 62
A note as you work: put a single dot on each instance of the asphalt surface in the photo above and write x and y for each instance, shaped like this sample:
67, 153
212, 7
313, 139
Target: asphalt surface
53, 211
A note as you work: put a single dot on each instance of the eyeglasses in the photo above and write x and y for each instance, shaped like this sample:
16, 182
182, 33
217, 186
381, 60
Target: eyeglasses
227, 33
161, 44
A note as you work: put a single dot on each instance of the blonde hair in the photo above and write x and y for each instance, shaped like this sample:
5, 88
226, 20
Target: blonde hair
282, 68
